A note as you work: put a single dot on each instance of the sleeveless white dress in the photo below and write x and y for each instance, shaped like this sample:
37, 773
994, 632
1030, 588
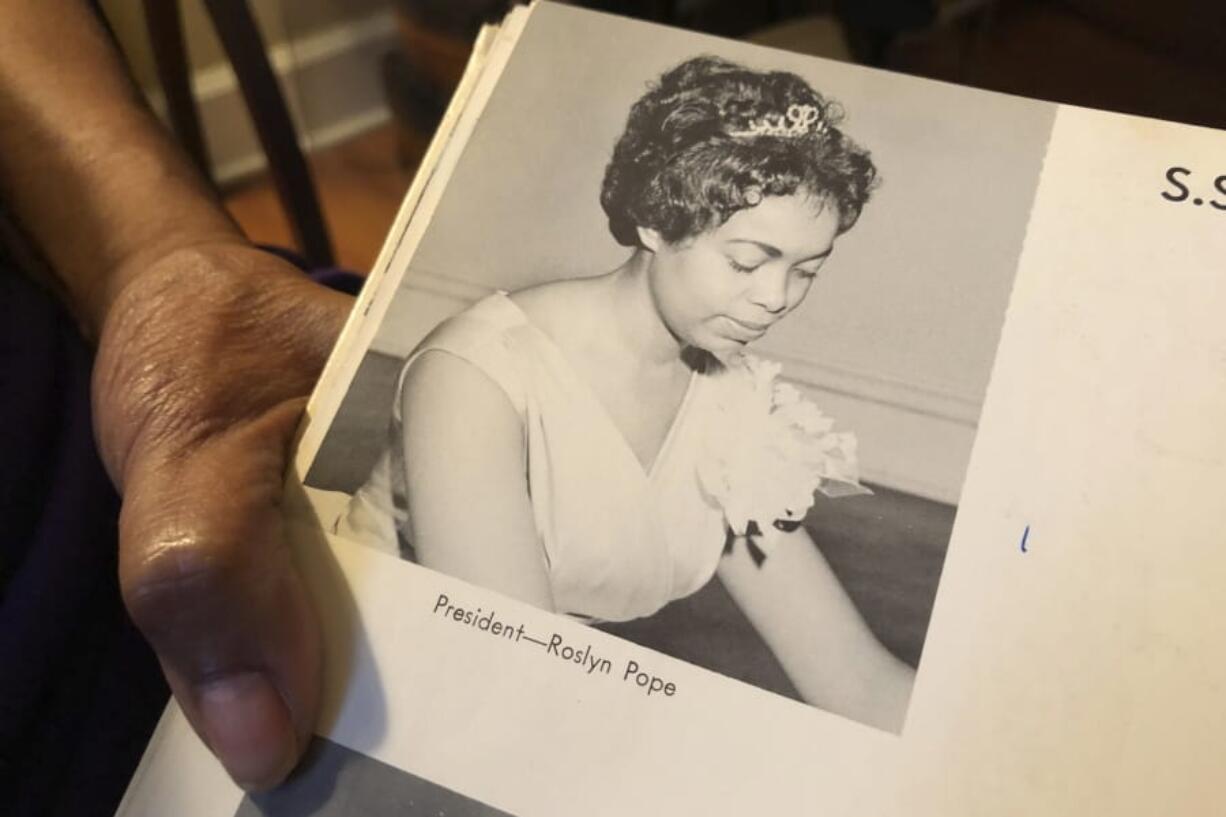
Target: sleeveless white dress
619, 541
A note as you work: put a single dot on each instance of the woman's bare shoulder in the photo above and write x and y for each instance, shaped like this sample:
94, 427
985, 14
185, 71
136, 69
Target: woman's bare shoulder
443, 395
560, 308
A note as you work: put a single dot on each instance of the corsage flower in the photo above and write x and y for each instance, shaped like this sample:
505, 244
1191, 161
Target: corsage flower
769, 449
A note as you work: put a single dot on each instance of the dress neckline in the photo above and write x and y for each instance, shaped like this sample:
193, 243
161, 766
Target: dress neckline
648, 471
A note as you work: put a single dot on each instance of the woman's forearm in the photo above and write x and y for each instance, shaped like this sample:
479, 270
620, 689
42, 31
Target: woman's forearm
88, 173
802, 612
876, 692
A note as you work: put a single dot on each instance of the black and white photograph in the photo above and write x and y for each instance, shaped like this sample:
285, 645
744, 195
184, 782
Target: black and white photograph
693, 351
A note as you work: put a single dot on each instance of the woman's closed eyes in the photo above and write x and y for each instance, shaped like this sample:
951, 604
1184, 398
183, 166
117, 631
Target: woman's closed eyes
741, 266
747, 267
746, 255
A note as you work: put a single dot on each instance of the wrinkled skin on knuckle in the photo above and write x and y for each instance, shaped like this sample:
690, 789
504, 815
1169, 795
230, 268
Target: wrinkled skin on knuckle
202, 341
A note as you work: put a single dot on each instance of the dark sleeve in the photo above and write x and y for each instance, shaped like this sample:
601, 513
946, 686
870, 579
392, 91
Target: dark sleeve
79, 690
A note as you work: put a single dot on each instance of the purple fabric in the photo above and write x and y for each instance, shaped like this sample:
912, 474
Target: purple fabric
79, 690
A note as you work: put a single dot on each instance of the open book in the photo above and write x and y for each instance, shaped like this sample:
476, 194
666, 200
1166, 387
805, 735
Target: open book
921, 516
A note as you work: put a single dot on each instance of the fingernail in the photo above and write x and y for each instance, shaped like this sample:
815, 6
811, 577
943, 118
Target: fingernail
248, 726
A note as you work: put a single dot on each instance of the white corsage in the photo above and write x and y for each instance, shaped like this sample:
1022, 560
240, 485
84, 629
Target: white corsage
768, 451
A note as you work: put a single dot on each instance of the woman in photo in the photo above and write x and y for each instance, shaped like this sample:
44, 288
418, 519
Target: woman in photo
601, 446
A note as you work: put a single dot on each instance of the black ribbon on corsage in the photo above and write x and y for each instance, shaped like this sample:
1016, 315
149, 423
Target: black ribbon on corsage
752, 530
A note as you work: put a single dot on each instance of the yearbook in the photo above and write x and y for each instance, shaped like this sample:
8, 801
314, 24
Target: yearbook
729, 431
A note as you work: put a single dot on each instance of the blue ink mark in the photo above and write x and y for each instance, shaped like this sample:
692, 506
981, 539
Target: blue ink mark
1025, 536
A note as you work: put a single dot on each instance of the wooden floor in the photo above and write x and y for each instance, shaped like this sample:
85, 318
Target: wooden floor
361, 183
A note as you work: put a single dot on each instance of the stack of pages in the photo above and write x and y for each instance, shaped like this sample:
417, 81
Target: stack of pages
729, 431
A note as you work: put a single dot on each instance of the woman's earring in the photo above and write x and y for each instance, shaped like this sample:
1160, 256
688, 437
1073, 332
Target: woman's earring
649, 239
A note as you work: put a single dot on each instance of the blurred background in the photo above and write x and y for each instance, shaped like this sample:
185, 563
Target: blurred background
361, 83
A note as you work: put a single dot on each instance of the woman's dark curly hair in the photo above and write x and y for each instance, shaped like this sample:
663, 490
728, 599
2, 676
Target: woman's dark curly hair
684, 165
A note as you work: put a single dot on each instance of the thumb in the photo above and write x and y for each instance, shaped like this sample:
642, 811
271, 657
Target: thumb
208, 575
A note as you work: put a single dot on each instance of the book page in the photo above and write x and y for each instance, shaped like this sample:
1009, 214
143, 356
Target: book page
892, 342
1023, 331
490, 52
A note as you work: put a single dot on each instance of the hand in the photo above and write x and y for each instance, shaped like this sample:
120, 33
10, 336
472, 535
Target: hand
204, 365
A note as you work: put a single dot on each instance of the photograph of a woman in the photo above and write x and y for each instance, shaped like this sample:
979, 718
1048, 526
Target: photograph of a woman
579, 445
690, 346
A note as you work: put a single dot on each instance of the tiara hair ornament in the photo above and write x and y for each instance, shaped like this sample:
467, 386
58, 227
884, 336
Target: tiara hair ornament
798, 121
